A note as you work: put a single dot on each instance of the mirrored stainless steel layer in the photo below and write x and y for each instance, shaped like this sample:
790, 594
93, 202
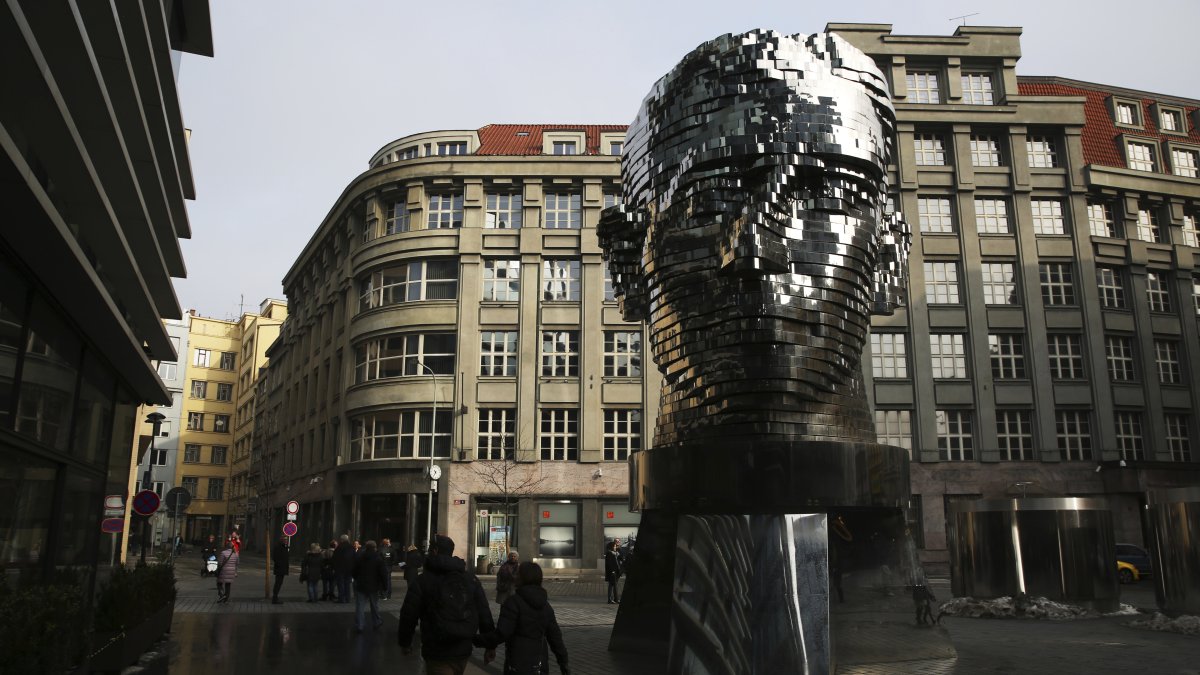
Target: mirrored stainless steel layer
751, 595
1175, 521
1059, 548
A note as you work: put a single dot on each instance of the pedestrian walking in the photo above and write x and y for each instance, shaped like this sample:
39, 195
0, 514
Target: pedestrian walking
506, 577
279, 566
370, 577
227, 564
451, 607
527, 628
327, 573
612, 572
343, 568
389, 560
310, 570
414, 560
178, 546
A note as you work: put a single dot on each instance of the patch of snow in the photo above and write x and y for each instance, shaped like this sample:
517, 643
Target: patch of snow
1185, 624
1022, 607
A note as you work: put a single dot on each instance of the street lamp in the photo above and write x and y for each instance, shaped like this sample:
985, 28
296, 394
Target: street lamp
155, 419
433, 472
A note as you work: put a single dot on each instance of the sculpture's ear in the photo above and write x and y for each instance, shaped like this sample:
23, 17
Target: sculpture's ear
891, 264
622, 234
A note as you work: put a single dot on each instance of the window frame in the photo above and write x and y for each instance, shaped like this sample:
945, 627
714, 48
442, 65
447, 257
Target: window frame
504, 359
990, 214
1128, 434
558, 434
986, 150
1110, 282
930, 149
556, 215
493, 283
622, 433
1158, 291
940, 222
1056, 279
954, 428
446, 213
1048, 217
1014, 434
1073, 359
956, 356
1039, 147
556, 362
1166, 361
623, 359
893, 428
567, 274
992, 283
1073, 434
912, 83
986, 92
503, 203
1006, 352
942, 282
496, 437
889, 355
1120, 358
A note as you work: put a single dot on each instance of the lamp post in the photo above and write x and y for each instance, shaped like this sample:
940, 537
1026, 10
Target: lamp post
155, 419
431, 474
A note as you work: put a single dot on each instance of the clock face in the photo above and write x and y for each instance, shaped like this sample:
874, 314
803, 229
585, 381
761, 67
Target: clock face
435, 472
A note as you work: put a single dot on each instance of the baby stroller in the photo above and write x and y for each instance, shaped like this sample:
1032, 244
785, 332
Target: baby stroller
210, 565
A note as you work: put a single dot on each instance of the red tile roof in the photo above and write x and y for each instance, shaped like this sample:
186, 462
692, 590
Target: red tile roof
1100, 133
503, 139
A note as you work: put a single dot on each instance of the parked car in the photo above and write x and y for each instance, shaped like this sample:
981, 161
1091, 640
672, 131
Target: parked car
1127, 573
1136, 556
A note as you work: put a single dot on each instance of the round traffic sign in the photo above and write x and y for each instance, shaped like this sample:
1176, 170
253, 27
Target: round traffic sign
293, 507
112, 525
290, 529
146, 502
177, 500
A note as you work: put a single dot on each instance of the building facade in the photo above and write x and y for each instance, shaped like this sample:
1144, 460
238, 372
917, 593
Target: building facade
453, 309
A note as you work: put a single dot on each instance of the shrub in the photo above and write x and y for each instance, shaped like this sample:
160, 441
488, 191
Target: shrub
129, 597
40, 626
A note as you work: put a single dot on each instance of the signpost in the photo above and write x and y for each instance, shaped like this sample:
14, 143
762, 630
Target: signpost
292, 509
146, 502
290, 529
177, 499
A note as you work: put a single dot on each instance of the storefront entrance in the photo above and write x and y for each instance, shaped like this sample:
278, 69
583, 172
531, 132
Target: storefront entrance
383, 516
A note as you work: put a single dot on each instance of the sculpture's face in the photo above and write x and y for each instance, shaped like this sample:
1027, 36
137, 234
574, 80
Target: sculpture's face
755, 181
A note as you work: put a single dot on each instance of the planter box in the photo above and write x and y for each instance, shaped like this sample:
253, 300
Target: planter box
126, 650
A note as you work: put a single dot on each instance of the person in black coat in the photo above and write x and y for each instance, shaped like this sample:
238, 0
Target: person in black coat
527, 628
389, 559
343, 568
439, 648
370, 577
612, 571
279, 566
414, 560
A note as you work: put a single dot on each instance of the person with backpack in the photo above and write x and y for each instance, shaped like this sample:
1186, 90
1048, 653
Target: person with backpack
527, 628
452, 609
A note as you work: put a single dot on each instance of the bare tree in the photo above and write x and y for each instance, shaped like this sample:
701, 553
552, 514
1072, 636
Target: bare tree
508, 478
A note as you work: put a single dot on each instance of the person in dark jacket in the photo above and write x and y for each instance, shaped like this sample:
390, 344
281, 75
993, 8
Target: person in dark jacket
506, 577
343, 568
327, 573
443, 652
389, 560
310, 570
414, 560
370, 577
527, 627
279, 566
612, 571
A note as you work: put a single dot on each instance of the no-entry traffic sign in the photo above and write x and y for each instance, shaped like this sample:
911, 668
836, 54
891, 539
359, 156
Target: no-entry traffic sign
290, 529
146, 502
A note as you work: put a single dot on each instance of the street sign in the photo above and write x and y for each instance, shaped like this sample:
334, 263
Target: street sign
290, 529
112, 525
293, 507
116, 502
146, 502
483, 513
177, 500
291, 517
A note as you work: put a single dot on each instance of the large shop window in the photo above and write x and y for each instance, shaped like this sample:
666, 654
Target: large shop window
620, 524
400, 355
402, 434
558, 530
411, 282
28, 487
14, 301
48, 377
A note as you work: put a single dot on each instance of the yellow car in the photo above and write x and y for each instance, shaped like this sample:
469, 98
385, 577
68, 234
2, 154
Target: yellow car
1127, 573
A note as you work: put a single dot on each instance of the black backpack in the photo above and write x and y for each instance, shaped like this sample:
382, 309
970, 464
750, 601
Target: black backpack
454, 607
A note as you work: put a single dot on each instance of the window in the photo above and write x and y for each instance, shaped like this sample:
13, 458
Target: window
1008, 356
991, 216
1188, 229
1196, 293
1170, 120
216, 488
1058, 287
156, 456
224, 391
977, 89
399, 355
405, 434
196, 421
610, 291
610, 198
1166, 357
622, 434
930, 149
228, 360
616, 147
445, 210
1111, 283
413, 282
1185, 163
411, 152
398, 219
201, 358
1118, 350
1066, 356
889, 356
1147, 226
167, 371
999, 283
160, 488
1177, 437
1129, 114
955, 443
501, 280
564, 148
1140, 156
1129, 434
504, 212
221, 424
191, 484
558, 436
219, 454
922, 86
935, 215
985, 150
498, 354
949, 356
622, 353
451, 148
941, 283
1048, 216
1014, 432
1074, 432
1158, 292
563, 210
894, 427
497, 433
1100, 219
560, 279
560, 353
199, 389
191, 453
1042, 151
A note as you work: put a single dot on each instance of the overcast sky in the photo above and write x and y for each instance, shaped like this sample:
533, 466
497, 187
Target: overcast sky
301, 93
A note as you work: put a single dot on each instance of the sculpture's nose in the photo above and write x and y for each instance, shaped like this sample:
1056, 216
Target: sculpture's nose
754, 244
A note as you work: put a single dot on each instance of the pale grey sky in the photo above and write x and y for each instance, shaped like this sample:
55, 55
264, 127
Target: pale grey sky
301, 93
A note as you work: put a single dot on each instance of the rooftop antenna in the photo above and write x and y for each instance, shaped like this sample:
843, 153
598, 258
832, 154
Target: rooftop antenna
964, 17
241, 304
